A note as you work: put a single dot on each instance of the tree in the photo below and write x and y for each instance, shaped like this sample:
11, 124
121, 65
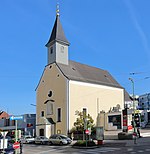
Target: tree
79, 123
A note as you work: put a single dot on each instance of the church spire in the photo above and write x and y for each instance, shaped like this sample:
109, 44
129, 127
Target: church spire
58, 44
57, 32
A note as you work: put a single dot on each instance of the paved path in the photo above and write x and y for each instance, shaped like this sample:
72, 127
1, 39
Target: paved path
113, 146
110, 146
113, 135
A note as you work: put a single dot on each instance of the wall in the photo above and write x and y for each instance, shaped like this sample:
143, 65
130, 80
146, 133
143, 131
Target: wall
52, 80
93, 97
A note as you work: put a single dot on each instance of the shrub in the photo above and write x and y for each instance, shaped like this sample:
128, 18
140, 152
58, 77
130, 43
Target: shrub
82, 143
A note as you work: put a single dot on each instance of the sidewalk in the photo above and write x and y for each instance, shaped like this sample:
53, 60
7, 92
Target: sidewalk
111, 138
113, 135
129, 143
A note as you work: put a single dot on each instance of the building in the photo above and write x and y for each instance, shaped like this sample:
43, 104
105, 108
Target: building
27, 124
144, 107
144, 102
3, 115
67, 86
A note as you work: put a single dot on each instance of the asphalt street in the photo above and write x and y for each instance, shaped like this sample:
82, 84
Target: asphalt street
44, 149
112, 146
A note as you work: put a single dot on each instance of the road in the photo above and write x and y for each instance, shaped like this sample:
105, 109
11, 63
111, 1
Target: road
45, 149
113, 147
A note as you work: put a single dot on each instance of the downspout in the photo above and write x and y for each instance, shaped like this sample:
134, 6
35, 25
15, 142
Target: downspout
67, 106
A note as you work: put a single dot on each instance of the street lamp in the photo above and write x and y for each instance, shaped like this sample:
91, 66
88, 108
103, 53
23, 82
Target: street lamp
133, 104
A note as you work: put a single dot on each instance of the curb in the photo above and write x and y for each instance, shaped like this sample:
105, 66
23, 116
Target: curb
88, 147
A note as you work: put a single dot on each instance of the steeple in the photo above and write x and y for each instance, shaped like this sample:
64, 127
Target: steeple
57, 44
57, 32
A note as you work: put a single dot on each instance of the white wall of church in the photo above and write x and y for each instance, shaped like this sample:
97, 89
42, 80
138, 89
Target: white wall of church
93, 97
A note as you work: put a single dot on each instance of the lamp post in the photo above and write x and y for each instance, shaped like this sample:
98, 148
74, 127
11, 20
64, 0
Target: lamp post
133, 103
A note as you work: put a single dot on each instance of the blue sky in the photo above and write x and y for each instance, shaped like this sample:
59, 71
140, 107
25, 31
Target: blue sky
109, 34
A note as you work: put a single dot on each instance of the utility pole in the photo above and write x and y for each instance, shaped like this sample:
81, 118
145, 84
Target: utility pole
133, 105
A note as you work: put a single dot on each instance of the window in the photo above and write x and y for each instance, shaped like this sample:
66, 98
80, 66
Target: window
49, 108
50, 93
59, 115
13, 123
62, 49
116, 120
41, 132
42, 113
84, 112
7, 122
51, 50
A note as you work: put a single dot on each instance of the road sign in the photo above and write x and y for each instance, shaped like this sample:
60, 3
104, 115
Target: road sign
3, 143
4, 133
87, 131
16, 117
16, 145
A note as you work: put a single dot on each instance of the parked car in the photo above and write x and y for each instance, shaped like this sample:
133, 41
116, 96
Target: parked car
59, 139
27, 139
41, 140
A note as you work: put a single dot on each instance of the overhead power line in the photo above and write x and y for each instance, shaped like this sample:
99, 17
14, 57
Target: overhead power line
136, 73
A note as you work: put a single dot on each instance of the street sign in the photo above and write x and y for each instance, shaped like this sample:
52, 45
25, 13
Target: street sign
130, 127
87, 131
3, 143
4, 133
16, 145
16, 117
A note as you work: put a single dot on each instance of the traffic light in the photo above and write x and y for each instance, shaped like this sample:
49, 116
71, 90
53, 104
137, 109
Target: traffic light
137, 120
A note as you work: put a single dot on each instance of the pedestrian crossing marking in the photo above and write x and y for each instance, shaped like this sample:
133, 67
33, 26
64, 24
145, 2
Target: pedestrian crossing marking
97, 150
130, 149
140, 151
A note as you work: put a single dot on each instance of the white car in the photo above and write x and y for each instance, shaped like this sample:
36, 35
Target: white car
59, 139
27, 139
41, 140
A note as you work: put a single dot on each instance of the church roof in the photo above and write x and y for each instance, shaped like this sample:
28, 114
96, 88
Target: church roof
127, 97
57, 33
84, 73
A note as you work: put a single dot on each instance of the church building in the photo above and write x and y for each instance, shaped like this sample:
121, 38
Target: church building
67, 86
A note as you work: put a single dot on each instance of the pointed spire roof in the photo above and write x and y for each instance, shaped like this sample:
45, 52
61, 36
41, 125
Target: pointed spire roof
57, 32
